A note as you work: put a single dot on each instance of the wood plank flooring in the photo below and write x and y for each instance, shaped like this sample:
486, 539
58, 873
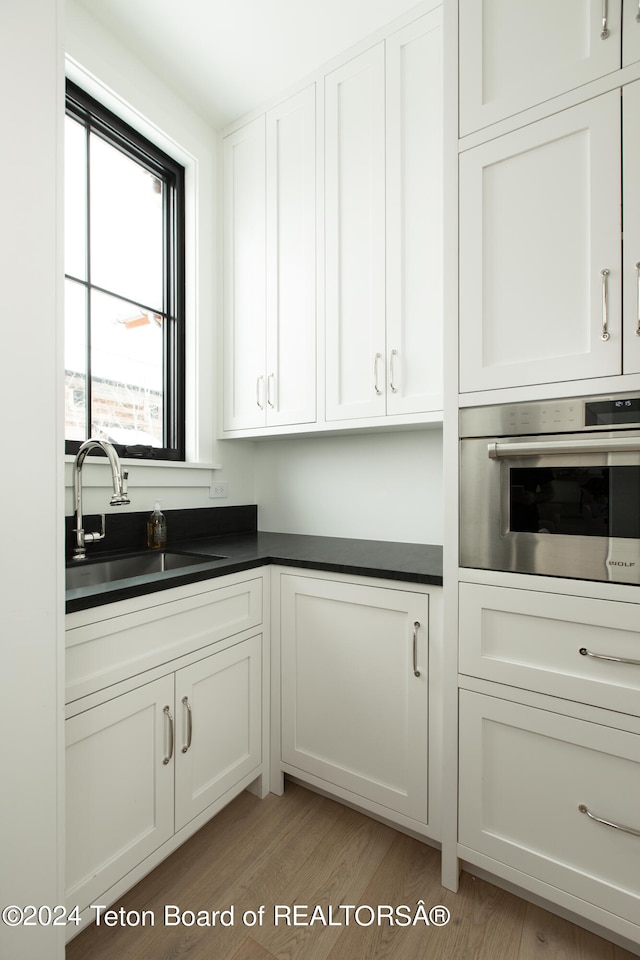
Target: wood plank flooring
308, 850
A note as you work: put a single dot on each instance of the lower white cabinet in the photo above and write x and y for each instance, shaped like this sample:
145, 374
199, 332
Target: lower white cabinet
218, 726
549, 747
555, 798
141, 766
119, 793
354, 685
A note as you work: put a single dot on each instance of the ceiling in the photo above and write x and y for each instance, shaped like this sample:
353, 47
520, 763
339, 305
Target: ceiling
228, 56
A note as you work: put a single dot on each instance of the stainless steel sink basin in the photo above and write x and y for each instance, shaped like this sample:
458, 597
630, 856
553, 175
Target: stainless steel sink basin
90, 573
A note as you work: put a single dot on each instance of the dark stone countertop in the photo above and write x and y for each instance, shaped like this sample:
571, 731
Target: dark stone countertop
409, 562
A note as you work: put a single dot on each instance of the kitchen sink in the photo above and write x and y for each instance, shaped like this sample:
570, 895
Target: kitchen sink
90, 573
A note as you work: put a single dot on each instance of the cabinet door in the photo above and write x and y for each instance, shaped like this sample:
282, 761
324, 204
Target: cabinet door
630, 32
244, 277
119, 792
355, 237
525, 773
291, 260
539, 222
414, 217
631, 242
514, 54
353, 712
218, 703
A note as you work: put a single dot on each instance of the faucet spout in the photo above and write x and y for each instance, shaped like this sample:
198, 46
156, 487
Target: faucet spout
118, 498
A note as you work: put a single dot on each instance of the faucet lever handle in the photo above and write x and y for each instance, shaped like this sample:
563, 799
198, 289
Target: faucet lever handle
92, 537
125, 479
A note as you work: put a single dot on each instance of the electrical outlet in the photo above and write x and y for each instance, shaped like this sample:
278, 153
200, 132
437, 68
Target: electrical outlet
218, 489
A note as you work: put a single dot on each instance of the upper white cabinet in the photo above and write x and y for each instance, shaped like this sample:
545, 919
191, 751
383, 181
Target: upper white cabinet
515, 54
355, 237
631, 241
414, 217
270, 268
539, 223
383, 194
630, 32
543, 264
245, 308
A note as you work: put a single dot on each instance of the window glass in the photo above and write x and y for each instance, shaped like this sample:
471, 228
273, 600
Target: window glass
124, 265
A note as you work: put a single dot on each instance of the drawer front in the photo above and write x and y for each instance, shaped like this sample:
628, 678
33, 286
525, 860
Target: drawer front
103, 653
524, 775
534, 641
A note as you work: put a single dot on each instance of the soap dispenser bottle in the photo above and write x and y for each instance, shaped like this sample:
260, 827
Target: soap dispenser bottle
157, 529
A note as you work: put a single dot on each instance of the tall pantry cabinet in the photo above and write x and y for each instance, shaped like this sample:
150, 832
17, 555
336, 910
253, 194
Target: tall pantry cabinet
549, 297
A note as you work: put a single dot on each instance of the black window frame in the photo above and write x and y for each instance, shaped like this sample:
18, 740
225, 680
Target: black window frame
97, 119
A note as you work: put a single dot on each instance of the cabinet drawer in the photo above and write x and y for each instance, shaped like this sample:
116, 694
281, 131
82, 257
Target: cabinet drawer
103, 653
524, 774
533, 640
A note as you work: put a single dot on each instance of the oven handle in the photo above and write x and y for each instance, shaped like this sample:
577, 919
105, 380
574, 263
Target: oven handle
535, 448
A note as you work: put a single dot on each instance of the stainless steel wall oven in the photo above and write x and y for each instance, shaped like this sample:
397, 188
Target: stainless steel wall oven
552, 488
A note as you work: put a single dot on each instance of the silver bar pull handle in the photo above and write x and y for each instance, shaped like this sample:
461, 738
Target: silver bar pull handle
535, 448
638, 14
167, 713
416, 627
185, 702
392, 371
605, 17
259, 401
602, 656
377, 357
608, 823
605, 304
638, 274
271, 379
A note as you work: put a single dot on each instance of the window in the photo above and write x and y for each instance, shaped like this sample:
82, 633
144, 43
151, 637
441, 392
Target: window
124, 287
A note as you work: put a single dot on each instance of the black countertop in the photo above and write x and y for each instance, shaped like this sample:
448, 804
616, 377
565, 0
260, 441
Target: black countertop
409, 562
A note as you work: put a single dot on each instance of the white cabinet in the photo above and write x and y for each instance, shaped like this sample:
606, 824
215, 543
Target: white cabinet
555, 799
244, 276
539, 223
630, 32
218, 726
354, 677
515, 54
543, 264
631, 214
270, 268
549, 756
119, 793
383, 195
577, 648
414, 258
141, 766
166, 703
355, 239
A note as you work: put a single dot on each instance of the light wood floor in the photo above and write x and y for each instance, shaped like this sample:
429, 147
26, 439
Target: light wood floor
306, 849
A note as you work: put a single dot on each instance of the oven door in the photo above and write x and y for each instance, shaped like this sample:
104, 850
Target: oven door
561, 507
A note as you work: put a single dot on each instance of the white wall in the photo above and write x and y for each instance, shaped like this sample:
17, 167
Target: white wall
31, 591
383, 486
112, 73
